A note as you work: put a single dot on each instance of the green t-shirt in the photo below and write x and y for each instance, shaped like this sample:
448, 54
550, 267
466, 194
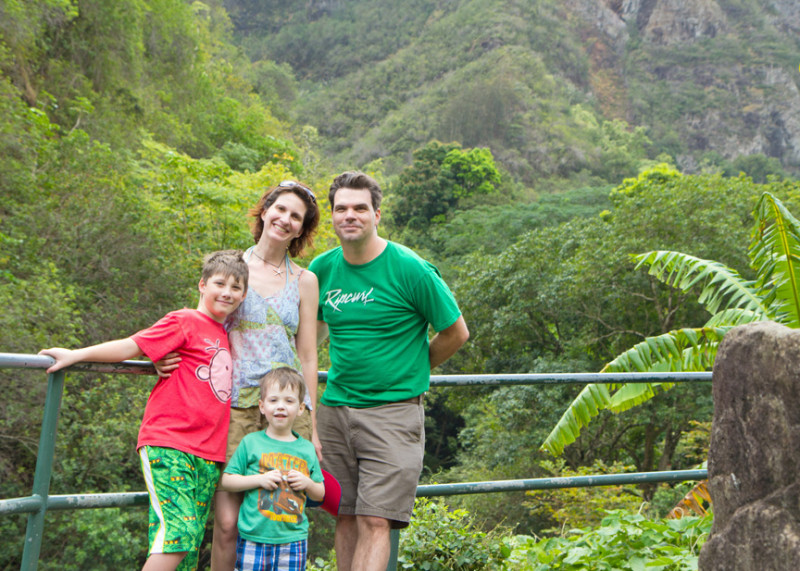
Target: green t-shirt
274, 516
378, 315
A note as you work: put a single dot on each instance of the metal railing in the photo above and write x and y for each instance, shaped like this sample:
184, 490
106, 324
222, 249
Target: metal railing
40, 501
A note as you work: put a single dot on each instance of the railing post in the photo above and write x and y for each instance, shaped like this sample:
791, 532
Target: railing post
44, 469
394, 539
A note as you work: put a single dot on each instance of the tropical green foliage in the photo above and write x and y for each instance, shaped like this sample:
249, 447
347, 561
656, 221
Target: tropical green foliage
442, 539
440, 177
583, 507
624, 542
135, 134
439, 539
567, 298
553, 90
731, 300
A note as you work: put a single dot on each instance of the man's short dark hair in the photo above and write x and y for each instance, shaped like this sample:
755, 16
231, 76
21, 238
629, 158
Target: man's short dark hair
357, 180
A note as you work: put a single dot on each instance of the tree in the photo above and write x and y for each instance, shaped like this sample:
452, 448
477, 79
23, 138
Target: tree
564, 298
473, 172
439, 176
732, 300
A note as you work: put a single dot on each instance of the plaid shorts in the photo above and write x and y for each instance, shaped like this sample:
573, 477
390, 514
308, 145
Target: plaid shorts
251, 556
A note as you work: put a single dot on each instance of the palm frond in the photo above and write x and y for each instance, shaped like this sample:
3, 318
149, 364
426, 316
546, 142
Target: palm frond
586, 405
633, 394
687, 349
721, 287
666, 352
680, 350
775, 254
734, 316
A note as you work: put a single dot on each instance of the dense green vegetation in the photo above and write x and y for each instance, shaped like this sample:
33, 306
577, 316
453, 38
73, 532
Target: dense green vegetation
444, 540
542, 83
731, 300
135, 134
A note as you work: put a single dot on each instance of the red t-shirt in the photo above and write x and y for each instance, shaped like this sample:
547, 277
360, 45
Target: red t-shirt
190, 410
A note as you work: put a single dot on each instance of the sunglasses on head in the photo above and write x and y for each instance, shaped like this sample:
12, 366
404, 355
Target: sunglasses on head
293, 184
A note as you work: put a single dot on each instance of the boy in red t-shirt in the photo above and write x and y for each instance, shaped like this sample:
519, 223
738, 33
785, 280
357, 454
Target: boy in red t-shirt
185, 426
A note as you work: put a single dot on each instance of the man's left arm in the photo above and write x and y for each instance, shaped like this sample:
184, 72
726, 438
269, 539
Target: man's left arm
446, 342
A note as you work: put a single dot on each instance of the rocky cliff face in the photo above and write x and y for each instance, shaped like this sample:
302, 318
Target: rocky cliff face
753, 459
743, 104
675, 21
785, 15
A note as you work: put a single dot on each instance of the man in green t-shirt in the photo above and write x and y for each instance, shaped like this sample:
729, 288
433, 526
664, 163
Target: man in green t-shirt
377, 300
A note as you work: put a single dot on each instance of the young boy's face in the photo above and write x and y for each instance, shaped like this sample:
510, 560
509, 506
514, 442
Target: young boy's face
220, 296
281, 407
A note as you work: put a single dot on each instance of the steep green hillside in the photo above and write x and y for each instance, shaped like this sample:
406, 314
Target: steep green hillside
552, 87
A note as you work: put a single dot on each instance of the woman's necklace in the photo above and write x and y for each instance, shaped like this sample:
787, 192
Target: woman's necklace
276, 268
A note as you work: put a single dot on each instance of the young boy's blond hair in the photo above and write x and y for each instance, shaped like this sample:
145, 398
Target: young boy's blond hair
284, 377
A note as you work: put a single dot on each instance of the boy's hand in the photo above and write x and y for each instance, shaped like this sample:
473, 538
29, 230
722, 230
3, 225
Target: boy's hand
270, 480
167, 364
63, 358
298, 481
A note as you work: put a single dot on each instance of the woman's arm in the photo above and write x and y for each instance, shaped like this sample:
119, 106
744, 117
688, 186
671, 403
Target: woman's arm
306, 342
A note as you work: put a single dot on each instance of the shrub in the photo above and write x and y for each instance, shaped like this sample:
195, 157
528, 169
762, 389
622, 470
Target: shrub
440, 539
623, 542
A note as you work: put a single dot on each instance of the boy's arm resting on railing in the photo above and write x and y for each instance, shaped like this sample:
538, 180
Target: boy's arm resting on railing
108, 352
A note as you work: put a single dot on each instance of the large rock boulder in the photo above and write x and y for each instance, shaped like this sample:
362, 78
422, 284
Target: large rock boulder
754, 461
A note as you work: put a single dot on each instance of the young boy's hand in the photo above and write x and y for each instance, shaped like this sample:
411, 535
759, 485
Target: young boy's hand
63, 358
298, 481
270, 480
167, 364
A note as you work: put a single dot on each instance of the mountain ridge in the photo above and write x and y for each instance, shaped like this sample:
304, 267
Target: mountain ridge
708, 80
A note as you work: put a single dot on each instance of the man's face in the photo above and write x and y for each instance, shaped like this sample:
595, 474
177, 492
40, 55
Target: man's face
354, 219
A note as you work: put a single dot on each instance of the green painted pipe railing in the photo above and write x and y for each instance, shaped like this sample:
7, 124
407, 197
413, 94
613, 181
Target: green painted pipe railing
40, 501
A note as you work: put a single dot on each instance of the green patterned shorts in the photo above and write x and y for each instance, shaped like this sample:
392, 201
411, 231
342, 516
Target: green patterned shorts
180, 486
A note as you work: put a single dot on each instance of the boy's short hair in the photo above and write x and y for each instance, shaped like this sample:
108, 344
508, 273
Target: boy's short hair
228, 263
284, 377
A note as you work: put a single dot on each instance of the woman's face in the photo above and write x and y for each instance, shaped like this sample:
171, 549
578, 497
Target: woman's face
283, 220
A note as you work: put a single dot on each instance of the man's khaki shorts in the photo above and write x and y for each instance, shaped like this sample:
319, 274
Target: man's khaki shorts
247, 420
376, 454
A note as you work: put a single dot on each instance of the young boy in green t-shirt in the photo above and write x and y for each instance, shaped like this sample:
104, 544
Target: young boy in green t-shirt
278, 470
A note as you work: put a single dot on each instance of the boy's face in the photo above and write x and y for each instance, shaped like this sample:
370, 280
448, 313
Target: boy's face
220, 296
280, 407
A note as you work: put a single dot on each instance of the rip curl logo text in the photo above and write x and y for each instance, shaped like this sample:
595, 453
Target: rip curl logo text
335, 298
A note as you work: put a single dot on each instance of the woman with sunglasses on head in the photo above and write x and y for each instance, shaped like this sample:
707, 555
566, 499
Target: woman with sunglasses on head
275, 326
